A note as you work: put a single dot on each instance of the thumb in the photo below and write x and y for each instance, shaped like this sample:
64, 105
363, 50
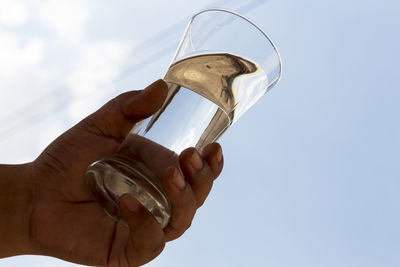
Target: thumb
117, 117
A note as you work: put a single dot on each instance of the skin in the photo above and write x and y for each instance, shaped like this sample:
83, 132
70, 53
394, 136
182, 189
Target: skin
47, 210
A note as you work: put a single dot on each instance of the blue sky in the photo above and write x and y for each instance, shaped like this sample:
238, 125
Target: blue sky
312, 170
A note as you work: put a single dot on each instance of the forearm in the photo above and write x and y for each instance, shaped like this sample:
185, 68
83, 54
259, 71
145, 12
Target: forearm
15, 203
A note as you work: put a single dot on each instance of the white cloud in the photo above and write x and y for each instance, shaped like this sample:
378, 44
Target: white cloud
56, 55
99, 65
16, 58
13, 12
67, 18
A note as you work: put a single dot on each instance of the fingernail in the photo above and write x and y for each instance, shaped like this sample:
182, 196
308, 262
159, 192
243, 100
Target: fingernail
131, 203
196, 161
132, 97
178, 180
219, 155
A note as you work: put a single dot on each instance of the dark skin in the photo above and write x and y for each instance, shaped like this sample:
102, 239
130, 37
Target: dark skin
49, 211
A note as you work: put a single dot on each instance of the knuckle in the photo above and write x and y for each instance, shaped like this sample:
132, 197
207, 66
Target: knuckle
204, 178
209, 175
152, 249
149, 246
200, 203
182, 219
179, 231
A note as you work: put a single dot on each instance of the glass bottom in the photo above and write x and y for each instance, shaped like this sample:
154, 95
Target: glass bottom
110, 178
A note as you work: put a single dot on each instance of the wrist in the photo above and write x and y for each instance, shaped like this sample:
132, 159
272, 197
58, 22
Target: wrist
15, 210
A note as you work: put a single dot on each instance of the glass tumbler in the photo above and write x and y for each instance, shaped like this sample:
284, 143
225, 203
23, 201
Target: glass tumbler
223, 65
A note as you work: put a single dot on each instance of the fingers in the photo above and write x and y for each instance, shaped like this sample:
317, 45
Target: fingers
186, 190
201, 170
214, 157
116, 118
144, 104
156, 157
147, 237
186, 195
183, 202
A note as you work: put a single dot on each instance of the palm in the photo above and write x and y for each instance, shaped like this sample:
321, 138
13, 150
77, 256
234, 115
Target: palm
65, 218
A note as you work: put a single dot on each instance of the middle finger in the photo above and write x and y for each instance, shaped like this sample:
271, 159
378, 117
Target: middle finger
183, 203
198, 172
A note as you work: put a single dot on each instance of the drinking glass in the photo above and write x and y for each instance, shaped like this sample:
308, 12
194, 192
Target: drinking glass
223, 65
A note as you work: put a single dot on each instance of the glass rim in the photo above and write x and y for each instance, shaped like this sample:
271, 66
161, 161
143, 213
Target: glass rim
252, 23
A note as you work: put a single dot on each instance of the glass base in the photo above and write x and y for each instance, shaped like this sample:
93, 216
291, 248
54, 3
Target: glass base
110, 178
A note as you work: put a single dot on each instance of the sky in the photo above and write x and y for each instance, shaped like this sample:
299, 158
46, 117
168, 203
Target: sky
312, 171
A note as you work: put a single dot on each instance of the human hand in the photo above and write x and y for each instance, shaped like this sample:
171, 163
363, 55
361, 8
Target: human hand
65, 222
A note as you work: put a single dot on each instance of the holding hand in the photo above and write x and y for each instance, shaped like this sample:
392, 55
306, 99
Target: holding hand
60, 218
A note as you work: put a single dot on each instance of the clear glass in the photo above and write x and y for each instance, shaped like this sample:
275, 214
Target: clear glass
223, 65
